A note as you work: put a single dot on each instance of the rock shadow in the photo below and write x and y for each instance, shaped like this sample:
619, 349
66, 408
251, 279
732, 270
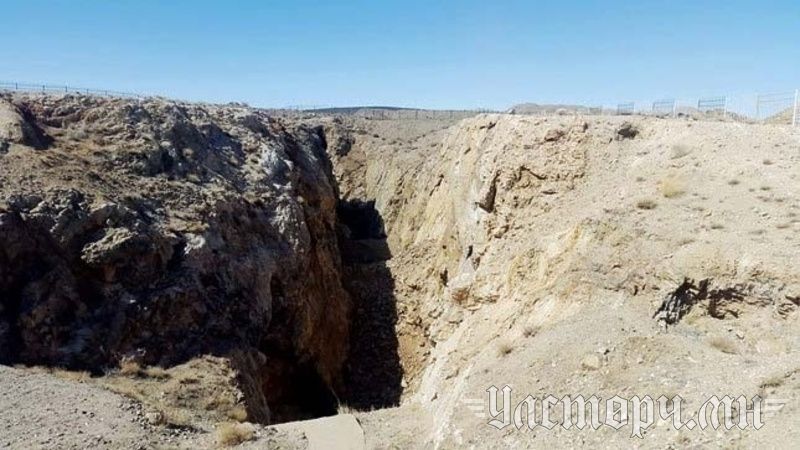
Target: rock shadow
373, 373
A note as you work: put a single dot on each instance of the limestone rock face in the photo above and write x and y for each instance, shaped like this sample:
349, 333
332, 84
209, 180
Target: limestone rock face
157, 231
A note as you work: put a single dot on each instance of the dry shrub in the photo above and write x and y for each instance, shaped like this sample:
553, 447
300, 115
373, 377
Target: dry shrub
345, 409
671, 187
156, 372
646, 203
129, 368
238, 413
504, 348
773, 382
529, 331
188, 379
170, 417
231, 434
71, 375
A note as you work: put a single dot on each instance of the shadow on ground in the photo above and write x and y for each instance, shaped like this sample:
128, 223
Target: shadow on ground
373, 373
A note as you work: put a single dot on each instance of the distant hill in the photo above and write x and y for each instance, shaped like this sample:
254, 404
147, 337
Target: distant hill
355, 109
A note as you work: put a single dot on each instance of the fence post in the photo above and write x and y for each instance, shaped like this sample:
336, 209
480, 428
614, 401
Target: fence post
758, 106
725, 107
796, 106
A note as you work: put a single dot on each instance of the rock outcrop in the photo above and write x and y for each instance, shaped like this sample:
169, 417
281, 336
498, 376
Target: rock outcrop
155, 231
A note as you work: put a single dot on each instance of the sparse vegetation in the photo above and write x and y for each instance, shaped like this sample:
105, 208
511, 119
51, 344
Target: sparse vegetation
345, 409
130, 368
156, 372
646, 204
672, 187
529, 331
773, 382
238, 413
504, 348
230, 434
176, 418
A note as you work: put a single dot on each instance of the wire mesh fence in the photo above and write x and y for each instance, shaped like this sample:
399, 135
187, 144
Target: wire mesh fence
666, 108
63, 89
781, 108
626, 109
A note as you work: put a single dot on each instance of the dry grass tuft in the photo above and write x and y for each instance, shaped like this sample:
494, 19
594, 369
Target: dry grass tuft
724, 344
232, 434
504, 348
156, 372
773, 382
529, 331
71, 375
733, 182
130, 368
679, 151
345, 409
238, 413
672, 187
175, 418
646, 203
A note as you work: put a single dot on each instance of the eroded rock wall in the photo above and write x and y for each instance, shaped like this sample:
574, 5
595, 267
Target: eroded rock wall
156, 231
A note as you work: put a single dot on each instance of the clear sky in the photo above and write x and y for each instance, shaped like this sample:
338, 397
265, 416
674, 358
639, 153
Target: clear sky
418, 53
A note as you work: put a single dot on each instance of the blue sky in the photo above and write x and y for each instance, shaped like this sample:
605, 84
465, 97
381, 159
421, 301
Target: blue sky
439, 54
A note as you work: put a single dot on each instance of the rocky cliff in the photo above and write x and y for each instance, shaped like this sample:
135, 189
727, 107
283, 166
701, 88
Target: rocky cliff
154, 231
568, 254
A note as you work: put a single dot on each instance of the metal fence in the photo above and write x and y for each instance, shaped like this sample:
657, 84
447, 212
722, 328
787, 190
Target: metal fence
781, 108
52, 88
626, 109
664, 107
390, 113
773, 108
